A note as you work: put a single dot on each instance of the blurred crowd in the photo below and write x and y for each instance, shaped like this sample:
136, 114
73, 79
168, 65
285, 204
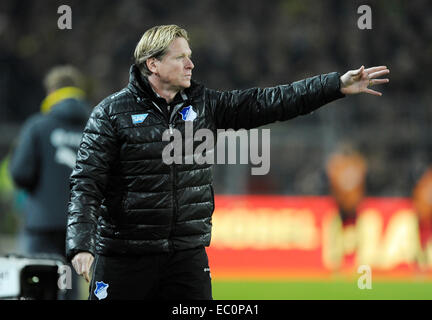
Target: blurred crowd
240, 44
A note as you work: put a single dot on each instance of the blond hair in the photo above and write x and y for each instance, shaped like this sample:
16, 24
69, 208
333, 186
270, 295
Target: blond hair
154, 44
63, 76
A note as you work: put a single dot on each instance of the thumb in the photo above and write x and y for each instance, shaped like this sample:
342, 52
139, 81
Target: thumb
358, 71
84, 271
86, 276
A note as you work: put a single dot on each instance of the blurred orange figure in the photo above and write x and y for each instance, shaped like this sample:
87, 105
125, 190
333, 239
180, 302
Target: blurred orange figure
422, 201
346, 170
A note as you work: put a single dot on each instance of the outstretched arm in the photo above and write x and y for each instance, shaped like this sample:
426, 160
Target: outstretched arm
255, 107
357, 81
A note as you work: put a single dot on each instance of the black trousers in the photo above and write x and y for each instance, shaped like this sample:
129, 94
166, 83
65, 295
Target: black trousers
178, 275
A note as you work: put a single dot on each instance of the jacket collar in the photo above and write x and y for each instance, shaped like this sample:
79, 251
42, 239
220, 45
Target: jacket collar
140, 87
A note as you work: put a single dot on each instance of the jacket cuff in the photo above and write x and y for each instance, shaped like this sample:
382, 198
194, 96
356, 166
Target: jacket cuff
73, 252
332, 86
79, 238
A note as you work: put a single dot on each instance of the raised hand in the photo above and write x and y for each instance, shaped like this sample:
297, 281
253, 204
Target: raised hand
360, 80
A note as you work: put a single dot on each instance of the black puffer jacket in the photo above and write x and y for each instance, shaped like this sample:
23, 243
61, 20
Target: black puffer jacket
126, 200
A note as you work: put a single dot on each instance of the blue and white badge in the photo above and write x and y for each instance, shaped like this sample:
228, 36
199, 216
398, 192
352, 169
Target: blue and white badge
101, 290
188, 114
139, 118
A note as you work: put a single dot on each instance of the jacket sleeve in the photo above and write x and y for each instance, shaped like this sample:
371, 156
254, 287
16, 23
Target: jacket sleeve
255, 107
95, 156
25, 160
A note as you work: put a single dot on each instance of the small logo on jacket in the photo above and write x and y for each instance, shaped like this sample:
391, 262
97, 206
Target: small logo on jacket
101, 290
188, 114
139, 118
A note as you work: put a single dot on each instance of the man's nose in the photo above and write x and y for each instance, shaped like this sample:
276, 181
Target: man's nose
189, 64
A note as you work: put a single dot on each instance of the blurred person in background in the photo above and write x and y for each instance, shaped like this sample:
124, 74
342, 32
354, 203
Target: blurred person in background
346, 171
422, 201
143, 223
43, 159
10, 200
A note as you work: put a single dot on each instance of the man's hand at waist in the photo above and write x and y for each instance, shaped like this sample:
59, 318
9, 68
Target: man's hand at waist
82, 263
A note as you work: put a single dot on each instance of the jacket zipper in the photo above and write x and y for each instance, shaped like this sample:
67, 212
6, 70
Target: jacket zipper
173, 179
174, 190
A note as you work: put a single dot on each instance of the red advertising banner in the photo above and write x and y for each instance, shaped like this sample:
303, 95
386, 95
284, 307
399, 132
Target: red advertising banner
285, 237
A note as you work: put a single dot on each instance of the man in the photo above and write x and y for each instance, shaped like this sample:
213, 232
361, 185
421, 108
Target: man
43, 161
346, 170
422, 201
148, 223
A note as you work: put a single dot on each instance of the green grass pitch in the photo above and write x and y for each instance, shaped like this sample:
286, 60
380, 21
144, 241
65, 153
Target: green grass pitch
321, 290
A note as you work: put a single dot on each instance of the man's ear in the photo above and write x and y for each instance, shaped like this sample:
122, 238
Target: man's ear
152, 64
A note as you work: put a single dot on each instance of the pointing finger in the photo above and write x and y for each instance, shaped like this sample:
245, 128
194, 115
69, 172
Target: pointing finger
375, 69
378, 81
378, 73
86, 276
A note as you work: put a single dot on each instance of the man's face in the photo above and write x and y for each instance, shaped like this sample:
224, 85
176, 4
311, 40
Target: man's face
175, 68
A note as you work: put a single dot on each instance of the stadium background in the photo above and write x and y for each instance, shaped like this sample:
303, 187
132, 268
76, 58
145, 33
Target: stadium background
241, 44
